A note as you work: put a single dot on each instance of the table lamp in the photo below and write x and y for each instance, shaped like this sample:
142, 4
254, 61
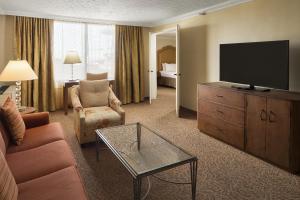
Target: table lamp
72, 58
18, 70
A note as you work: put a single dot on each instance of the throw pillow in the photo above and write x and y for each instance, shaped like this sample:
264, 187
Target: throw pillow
94, 93
14, 120
100, 76
171, 67
8, 186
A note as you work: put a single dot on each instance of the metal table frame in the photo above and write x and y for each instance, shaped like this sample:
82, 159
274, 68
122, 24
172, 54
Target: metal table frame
137, 178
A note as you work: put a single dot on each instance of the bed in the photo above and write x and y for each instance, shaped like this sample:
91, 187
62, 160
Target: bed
166, 66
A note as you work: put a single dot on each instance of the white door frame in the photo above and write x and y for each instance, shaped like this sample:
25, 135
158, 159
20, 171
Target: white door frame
153, 67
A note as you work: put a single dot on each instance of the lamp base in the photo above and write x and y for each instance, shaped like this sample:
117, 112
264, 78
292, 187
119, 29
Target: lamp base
18, 94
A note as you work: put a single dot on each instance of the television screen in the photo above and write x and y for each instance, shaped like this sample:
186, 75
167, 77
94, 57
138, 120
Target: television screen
263, 64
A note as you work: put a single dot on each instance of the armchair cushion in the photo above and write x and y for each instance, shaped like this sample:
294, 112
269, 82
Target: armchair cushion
100, 76
94, 93
14, 121
100, 117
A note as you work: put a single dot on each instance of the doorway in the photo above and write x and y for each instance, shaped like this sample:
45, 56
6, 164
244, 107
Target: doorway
164, 68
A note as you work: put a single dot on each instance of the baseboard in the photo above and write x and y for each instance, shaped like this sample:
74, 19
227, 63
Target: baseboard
188, 110
187, 113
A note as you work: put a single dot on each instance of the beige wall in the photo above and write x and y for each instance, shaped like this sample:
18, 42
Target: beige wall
258, 20
6, 40
162, 41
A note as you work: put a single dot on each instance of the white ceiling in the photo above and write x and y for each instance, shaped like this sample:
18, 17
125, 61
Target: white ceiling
132, 12
167, 35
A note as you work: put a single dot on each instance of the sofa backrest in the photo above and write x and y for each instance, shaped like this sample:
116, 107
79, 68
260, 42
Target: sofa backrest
4, 138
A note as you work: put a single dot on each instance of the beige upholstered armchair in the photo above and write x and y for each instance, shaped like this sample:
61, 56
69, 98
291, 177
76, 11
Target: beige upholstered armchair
95, 106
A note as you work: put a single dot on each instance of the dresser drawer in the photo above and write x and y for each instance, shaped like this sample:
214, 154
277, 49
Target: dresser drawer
227, 114
222, 96
219, 129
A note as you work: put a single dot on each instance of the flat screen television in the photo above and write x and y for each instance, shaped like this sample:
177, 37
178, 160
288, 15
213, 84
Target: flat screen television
264, 64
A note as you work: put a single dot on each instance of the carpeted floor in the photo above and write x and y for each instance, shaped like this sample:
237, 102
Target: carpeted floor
223, 171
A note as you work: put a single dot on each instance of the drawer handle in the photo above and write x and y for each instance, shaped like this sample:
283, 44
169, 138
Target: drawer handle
220, 96
263, 115
219, 111
271, 117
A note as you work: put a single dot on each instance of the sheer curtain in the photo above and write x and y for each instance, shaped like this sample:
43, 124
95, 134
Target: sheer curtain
95, 45
68, 36
101, 49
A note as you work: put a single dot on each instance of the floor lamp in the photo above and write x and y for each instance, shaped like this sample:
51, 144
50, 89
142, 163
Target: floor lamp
18, 70
72, 58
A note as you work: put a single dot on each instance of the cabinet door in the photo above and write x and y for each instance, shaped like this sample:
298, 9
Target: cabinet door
278, 132
256, 125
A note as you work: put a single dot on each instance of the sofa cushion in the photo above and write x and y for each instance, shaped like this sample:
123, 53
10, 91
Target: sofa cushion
63, 184
13, 120
100, 76
100, 117
38, 136
94, 93
8, 186
40, 161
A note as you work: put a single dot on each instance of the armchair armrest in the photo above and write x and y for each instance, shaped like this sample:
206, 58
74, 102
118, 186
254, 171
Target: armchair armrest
75, 98
115, 104
36, 119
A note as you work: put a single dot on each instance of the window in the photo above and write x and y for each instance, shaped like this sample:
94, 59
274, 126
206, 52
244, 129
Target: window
94, 43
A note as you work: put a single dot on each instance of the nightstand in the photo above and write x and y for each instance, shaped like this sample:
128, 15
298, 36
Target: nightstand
26, 110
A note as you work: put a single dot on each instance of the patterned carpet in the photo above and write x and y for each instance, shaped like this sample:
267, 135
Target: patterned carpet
223, 171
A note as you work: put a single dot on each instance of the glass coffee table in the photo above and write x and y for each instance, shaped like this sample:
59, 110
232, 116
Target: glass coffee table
144, 152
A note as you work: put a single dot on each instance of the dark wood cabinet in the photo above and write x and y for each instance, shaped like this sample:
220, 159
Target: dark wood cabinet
221, 114
264, 124
256, 126
278, 132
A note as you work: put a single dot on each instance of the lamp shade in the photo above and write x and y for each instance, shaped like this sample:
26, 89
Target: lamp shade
17, 70
72, 57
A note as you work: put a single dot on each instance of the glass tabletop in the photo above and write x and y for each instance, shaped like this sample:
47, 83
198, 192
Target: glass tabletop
141, 150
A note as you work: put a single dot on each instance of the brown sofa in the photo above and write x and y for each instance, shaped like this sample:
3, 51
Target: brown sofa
43, 165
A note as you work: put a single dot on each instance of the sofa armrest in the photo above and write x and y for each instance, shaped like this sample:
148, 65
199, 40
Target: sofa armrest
36, 119
115, 104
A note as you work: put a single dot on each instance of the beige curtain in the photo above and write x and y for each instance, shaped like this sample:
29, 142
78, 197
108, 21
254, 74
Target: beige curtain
33, 43
129, 64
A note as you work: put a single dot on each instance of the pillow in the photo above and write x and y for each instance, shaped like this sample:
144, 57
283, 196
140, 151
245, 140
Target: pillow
94, 93
8, 186
164, 66
101, 76
170, 67
14, 120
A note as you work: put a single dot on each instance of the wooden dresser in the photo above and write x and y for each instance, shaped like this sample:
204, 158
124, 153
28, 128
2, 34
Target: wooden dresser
264, 124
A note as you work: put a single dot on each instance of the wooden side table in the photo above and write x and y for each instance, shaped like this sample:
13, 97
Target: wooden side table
68, 84
26, 110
